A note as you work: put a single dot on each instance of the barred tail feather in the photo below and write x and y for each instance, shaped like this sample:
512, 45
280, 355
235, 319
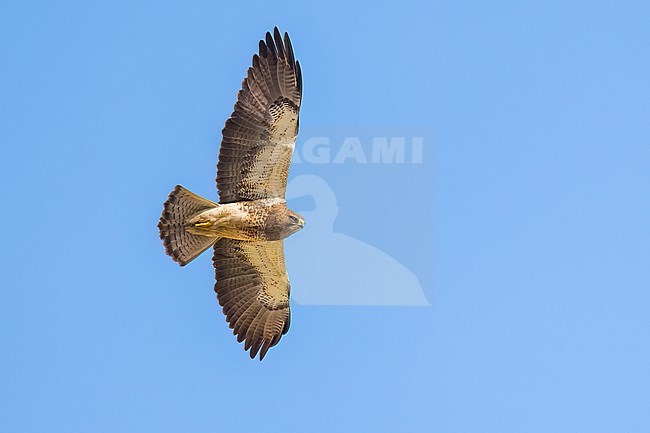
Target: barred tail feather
181, 246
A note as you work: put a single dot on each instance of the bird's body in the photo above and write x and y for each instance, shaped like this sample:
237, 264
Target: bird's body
255, 220
248, 224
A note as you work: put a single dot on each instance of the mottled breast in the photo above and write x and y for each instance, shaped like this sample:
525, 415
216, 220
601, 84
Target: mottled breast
266, 219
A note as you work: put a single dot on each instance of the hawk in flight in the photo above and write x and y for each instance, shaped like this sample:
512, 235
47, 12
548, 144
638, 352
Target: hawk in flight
247, 226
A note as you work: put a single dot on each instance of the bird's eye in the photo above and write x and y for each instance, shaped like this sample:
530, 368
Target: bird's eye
293, 219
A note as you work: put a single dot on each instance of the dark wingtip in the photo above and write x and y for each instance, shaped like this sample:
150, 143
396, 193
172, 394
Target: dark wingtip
266, 345
299, 76
270, 44
289, 49
255, 348
277, 38
263, 50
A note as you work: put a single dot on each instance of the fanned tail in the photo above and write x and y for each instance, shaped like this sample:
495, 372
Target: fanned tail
180, 245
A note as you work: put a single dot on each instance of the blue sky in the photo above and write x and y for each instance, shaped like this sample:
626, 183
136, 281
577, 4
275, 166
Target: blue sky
526, 224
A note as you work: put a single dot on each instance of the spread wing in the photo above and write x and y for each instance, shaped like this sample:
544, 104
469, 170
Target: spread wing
253, 289
259, 138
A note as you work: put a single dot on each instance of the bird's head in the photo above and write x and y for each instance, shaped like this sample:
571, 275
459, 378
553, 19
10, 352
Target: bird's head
293, 223
282, 222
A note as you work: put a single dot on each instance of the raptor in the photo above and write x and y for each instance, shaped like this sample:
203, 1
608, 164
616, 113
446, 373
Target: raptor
247, 226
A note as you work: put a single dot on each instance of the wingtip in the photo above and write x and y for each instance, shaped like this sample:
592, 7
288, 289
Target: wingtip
266, 345
299, 77
277, 38
264, 51
269, 43
291, 59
